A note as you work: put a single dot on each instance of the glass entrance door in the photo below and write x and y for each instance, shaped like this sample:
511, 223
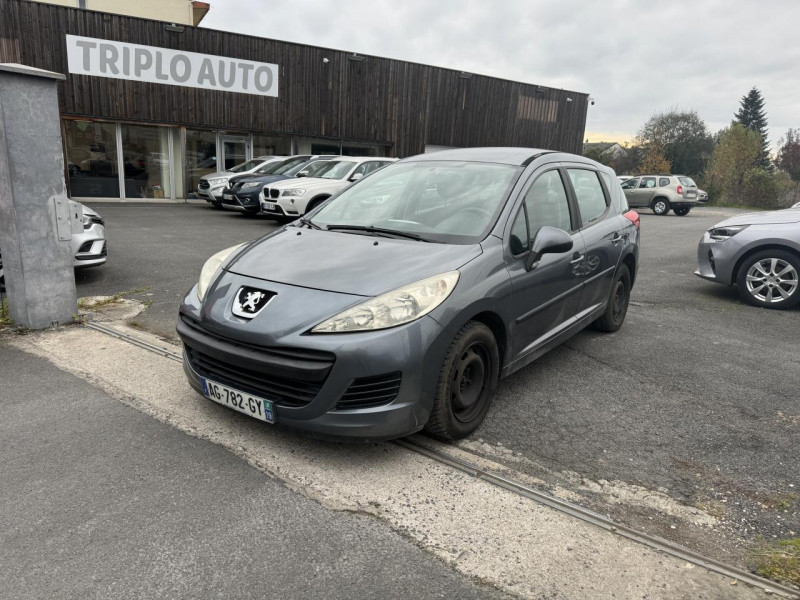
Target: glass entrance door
234, 151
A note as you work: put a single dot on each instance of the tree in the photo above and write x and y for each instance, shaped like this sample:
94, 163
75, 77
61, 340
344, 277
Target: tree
736, 153
789, 154
752, 116
682, 137
654, 161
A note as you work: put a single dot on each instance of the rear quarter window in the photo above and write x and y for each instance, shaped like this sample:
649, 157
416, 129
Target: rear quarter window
687, 181
663, 182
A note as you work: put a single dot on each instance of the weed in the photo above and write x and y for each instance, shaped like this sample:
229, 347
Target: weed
779, 561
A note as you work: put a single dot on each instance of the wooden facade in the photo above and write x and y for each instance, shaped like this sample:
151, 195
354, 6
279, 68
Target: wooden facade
395, 103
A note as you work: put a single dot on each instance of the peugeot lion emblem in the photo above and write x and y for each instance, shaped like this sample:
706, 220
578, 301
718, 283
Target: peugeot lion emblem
249, 302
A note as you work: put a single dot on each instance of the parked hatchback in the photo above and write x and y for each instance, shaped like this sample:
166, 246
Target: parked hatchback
400, 303
759, 253
662, 193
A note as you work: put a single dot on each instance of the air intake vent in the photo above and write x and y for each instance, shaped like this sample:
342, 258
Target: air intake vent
366, 392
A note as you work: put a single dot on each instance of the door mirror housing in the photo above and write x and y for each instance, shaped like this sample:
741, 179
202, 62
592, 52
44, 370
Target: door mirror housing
302, 174
356, 176
548, 240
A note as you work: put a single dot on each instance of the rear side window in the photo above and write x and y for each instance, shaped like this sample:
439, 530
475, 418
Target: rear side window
547, 203
589, 193
664, 182
648, 182
687, 181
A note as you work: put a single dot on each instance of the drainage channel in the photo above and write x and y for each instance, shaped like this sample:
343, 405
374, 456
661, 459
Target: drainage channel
573, 510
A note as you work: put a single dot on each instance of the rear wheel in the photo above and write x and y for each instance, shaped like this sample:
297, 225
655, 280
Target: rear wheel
660, 206
770, 279
618, 300
467, 383
681, 212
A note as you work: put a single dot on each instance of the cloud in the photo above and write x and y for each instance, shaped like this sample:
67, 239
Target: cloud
634, 57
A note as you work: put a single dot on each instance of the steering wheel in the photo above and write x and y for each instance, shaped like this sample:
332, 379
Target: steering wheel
475, 210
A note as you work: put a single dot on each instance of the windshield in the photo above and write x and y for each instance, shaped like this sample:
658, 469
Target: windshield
310, 168
284, 166
442, 201
336, 169
246, 166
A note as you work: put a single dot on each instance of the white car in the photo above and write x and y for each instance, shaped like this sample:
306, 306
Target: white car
89, 248
295, 197
796, 205
210, 186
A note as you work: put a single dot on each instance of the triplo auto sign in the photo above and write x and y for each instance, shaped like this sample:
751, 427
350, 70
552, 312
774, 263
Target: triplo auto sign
119, 60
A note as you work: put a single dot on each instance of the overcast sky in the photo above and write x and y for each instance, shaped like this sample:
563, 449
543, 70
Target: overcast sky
634, 57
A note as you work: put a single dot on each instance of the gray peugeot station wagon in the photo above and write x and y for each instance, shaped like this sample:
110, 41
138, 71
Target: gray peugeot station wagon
399, 303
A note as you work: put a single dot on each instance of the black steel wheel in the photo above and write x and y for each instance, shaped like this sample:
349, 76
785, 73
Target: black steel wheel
467, 383
618, 300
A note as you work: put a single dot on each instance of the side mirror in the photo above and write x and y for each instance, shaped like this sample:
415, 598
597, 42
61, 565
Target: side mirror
356, 176
548, 240
302, 174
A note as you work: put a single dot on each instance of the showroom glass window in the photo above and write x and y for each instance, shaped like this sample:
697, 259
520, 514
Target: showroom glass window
265, 145
201, 156
146, 161
91, 153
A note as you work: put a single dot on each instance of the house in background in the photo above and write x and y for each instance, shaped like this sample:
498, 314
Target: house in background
605, 150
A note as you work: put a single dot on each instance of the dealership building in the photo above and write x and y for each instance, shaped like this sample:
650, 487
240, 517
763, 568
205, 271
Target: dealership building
150, 106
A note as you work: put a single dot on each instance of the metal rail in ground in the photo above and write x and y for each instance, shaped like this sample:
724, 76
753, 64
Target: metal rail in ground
568, 508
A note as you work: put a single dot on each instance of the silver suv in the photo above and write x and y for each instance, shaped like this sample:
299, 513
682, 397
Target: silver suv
662, 193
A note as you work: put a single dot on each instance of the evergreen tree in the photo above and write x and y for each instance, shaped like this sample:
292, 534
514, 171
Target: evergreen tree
752, 116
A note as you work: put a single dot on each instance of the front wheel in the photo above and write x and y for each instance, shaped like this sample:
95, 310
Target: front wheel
618, 300
681, 212
769, 279
660, 207
467, 383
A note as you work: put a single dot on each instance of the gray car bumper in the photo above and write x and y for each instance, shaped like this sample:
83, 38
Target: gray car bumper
414, 351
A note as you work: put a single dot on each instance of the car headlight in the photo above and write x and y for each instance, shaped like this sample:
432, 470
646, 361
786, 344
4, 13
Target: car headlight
250, 184
293, 192
210, 269
723, 233
218, 180
397, 307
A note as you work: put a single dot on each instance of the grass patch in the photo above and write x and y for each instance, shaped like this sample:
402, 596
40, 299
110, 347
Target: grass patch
5, 319
779, 561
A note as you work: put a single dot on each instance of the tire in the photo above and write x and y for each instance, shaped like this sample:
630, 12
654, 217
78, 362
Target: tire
682, 212
216, 205
660, 206
618, 299
467, 383
769, 274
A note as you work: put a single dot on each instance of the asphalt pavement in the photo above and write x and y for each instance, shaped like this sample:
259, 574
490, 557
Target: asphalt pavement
695, 398
98, 500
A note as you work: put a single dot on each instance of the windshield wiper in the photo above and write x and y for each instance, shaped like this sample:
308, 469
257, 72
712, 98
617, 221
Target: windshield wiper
380, 231
309, 224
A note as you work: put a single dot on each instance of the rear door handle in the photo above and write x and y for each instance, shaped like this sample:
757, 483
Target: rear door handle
577, 259
617, 238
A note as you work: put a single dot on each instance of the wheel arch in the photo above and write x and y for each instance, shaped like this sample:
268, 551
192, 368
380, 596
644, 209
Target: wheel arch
747, 254
629, 260
316, 201
495, 323
659, 197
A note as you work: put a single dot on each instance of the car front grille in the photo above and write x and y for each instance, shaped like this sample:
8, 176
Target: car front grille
367, 392
281, 390
204, 185
274, 192
285, 390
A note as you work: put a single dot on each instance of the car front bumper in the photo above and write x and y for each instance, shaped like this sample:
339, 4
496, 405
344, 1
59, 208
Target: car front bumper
89, 248
715, 260
415, 351
245, 202
212, 194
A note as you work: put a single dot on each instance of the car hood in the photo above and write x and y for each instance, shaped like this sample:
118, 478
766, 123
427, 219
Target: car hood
257, 178
219, 174
88, 211
773, 217
311, 183
347, 263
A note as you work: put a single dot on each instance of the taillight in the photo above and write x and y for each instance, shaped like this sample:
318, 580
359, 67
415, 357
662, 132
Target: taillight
633, 217
680, 190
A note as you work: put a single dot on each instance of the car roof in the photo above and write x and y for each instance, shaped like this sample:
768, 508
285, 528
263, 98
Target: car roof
501, 155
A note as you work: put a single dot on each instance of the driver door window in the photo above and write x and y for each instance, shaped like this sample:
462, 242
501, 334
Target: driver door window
547, 203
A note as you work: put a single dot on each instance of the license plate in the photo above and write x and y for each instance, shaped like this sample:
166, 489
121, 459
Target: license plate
252, 406
270, 206
227, 196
